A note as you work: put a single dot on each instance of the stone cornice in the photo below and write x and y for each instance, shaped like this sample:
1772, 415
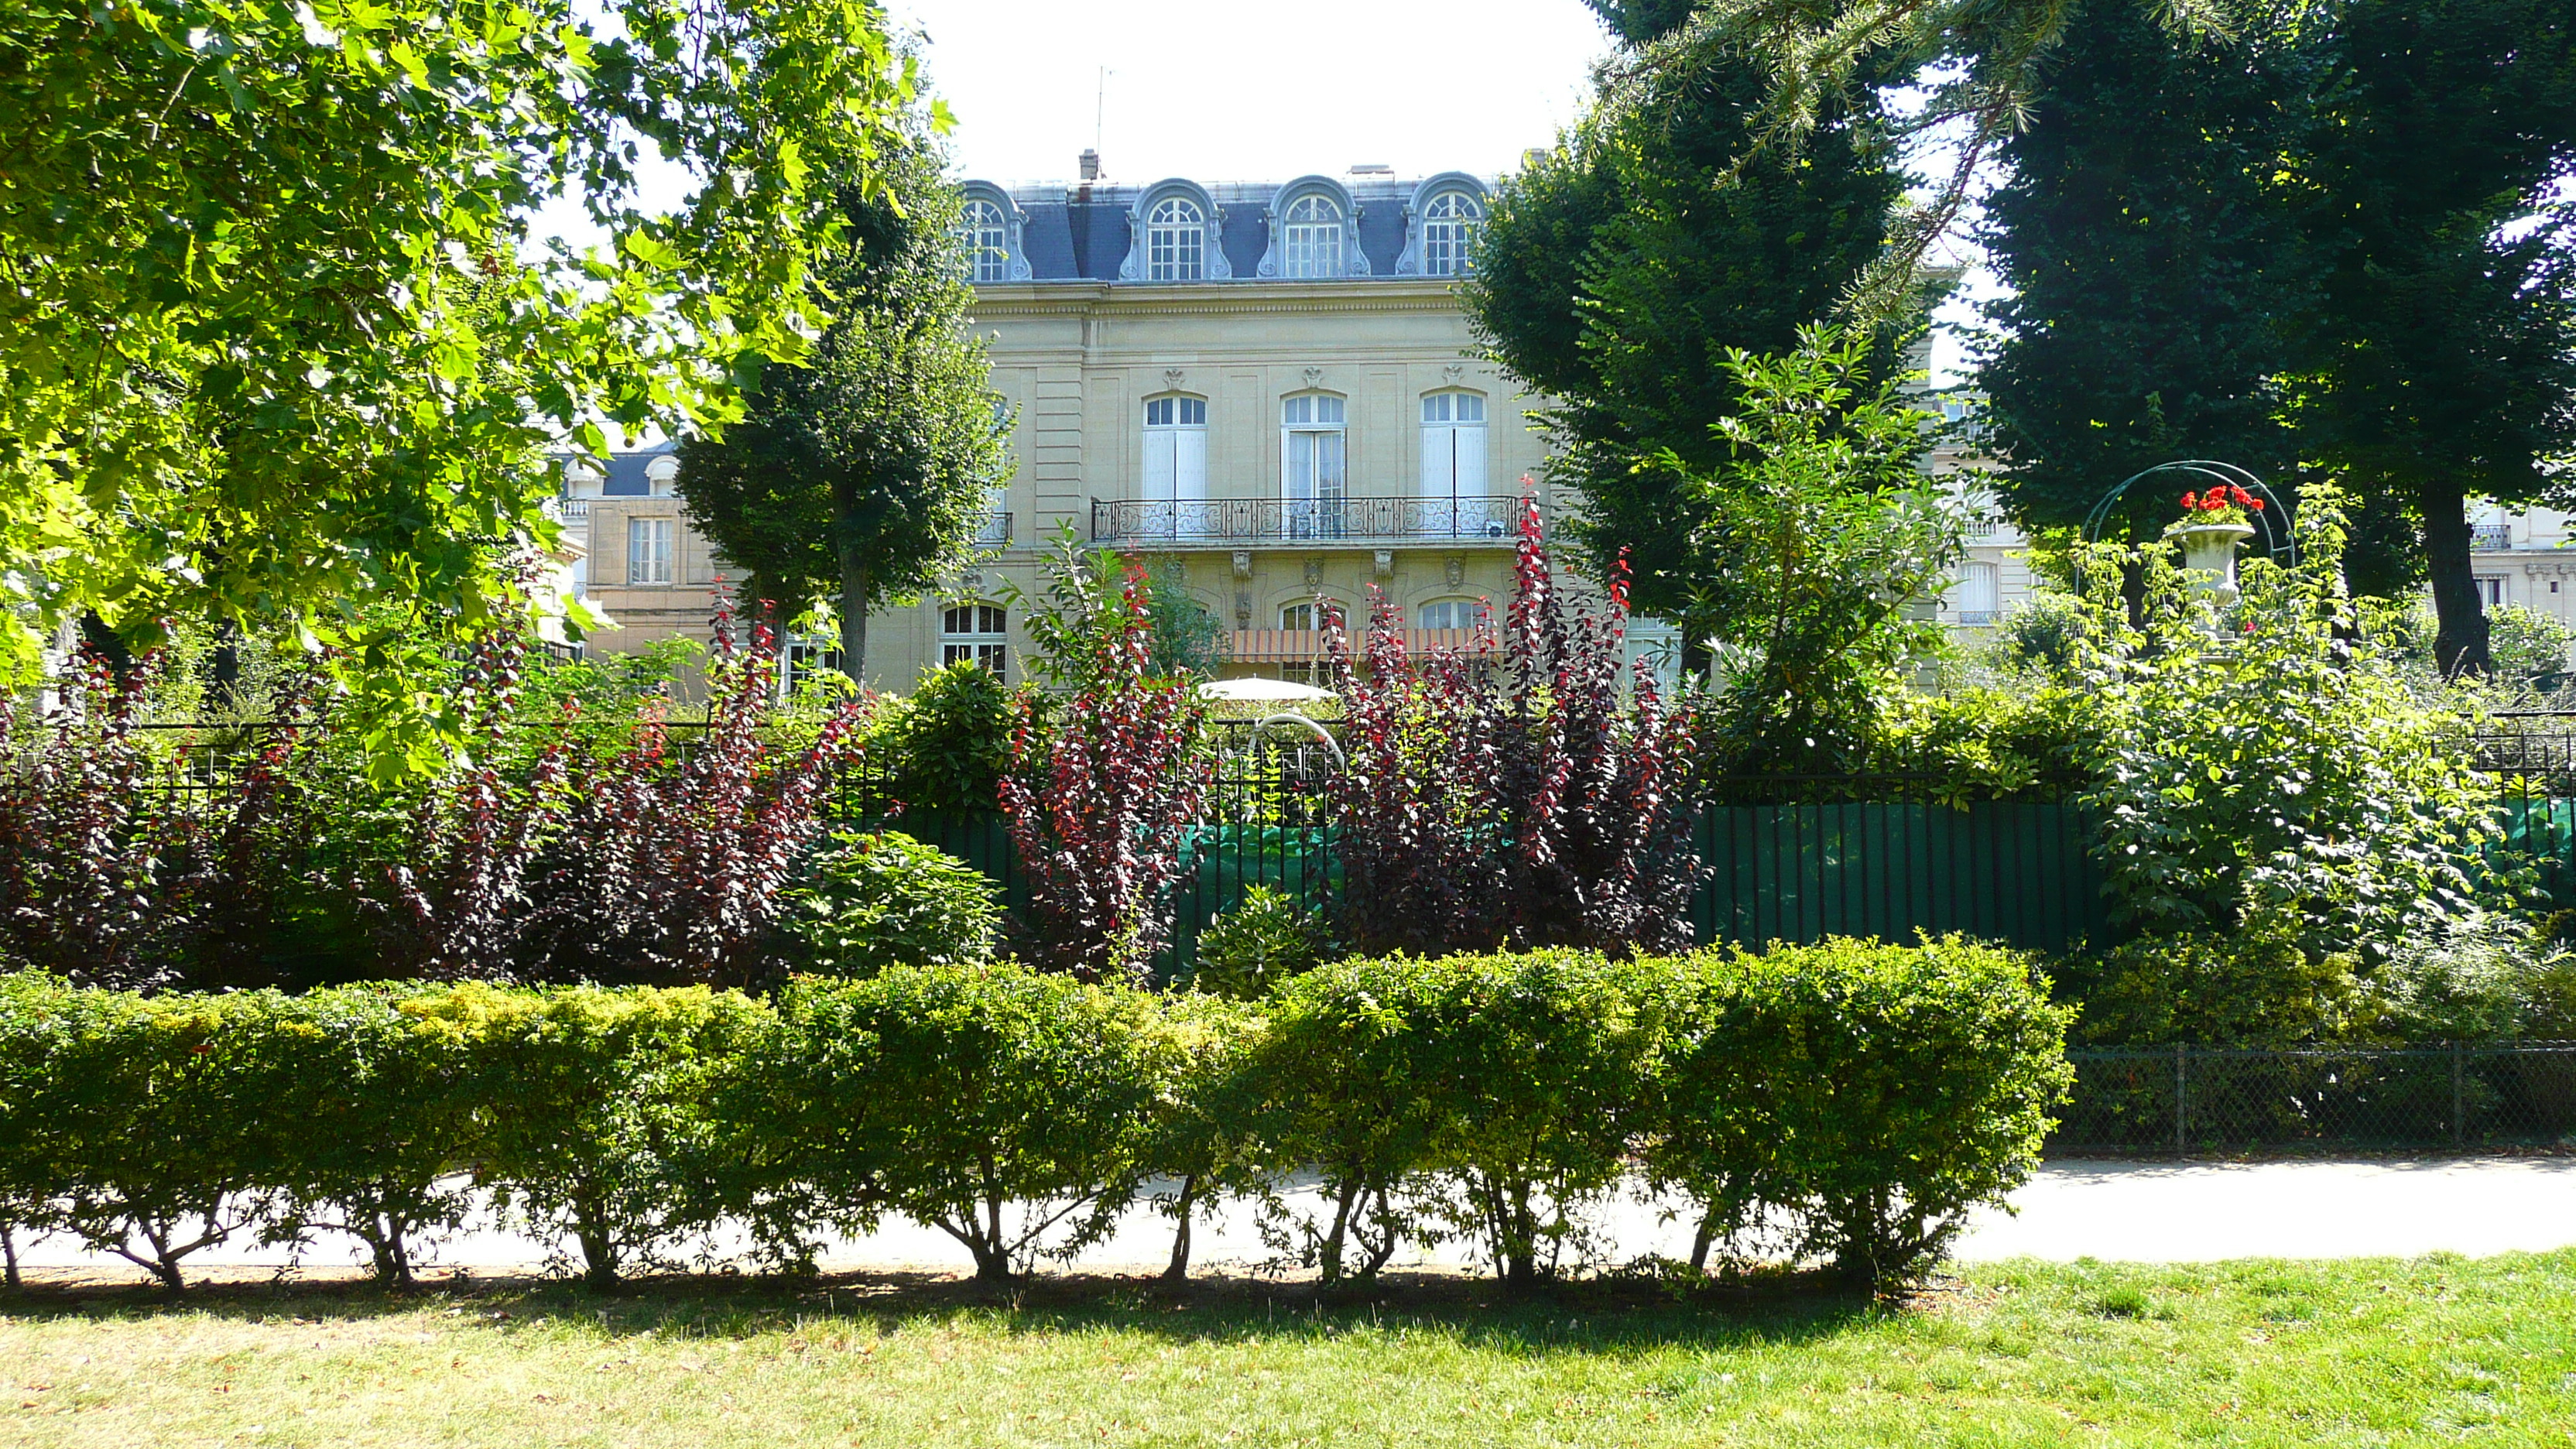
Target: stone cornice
1176, 299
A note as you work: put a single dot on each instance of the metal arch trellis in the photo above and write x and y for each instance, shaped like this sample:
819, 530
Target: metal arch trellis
2280, 541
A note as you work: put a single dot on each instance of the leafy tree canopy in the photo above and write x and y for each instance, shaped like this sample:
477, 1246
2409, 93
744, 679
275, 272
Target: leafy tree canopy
1618, 273
257, 257
865, 476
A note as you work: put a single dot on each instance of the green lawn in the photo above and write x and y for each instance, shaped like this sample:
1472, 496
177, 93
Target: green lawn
2374, 1352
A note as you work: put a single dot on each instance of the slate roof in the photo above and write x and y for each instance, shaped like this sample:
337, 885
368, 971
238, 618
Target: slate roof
1079, 234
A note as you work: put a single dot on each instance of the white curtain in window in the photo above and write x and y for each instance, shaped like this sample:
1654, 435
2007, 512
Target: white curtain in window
1453, 460
1311, 464
1175, 465
1979, 593
648, 550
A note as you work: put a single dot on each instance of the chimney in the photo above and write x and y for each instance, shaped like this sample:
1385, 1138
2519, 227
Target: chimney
1090, 164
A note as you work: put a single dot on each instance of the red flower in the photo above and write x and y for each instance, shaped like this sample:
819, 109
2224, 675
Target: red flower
2191, 500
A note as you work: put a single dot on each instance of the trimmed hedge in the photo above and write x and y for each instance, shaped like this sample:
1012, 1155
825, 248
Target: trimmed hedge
1846, 1103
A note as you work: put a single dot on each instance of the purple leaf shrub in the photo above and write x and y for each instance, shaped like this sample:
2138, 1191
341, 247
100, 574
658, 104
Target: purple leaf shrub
670, 867
104, 871
1099, 805
451, 908
1528, 805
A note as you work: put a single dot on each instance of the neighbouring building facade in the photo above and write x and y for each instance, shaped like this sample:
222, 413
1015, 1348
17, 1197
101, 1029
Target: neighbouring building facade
1273, 387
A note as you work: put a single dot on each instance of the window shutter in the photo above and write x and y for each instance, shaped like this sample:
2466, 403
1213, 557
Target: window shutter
1471, 461
1189, 465
1439, 462
1158, 465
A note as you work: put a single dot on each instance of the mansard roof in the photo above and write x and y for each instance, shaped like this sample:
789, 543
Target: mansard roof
1075, 233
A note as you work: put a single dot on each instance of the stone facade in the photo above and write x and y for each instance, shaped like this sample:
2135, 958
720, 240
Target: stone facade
1266, 375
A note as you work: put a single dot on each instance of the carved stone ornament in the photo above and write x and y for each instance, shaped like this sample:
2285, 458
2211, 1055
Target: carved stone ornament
1314, 377
1454, 569
1314, 573
1172, 377
1243, 563
1242, 610
1385, 562
1455, 373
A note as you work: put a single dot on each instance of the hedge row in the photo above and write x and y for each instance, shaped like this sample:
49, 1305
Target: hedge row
1844, 1103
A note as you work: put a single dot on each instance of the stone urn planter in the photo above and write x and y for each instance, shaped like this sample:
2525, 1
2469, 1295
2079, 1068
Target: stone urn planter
2209, 552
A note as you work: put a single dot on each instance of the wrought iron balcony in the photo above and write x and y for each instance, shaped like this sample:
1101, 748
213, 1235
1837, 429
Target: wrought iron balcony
994, 532
1242, 522
2490, 535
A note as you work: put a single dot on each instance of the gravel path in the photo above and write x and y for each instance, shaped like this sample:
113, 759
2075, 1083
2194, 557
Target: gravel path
2134, 1211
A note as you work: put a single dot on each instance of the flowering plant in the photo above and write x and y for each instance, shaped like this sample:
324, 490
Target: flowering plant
2222, 503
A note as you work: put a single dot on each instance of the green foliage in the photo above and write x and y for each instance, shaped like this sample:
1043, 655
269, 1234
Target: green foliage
2254, 986
1869, 1094
1269, 936
2267, 762
945, 745
1987, 743
1010, 1109
279, 348
1818, 531
596, 1123
870, 902
865, 476
1618, 272
137, 1125
369, 1111
2154, 269
1187, 635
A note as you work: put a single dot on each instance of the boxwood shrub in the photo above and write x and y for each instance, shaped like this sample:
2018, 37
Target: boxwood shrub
1843, 1104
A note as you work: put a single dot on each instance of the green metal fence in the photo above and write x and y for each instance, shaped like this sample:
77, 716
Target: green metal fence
2005, 870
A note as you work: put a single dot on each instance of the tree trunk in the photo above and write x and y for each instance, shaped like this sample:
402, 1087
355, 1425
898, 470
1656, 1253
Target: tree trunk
854, 615
1178, 1271
9, 1248
2460, 643
1702, 1240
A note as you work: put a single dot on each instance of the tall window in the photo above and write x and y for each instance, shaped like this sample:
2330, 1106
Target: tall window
1453, 461
1175, 463
2491, 590
1310, 446
1449, 233
1978, 593
976, 634
1449, 614
1175, 242
987, 244
648, 550
1312, 246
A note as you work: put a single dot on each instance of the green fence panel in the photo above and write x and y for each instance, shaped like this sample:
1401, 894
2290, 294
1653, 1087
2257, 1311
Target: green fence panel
2004, 870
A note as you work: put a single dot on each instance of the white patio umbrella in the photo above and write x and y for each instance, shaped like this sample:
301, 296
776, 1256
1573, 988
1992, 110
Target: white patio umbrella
1262, 691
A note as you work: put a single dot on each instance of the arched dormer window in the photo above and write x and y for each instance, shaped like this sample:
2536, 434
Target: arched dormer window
988, 233
1441, 225
1175, 242
1313, 232
1173, 236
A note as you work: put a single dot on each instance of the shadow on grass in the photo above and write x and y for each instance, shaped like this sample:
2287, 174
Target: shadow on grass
1609, 1317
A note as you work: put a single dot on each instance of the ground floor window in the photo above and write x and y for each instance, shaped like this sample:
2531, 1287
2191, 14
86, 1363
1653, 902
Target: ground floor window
976, 634
2491, 590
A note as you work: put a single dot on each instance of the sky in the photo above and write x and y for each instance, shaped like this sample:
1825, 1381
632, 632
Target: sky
1236, 92
1226, 92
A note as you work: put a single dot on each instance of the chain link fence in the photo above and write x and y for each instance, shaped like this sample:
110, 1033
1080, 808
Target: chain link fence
2196, 1100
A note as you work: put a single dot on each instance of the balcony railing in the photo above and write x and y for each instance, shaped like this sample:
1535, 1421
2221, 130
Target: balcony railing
994, 532
2490, 535
1237, 522
572, 510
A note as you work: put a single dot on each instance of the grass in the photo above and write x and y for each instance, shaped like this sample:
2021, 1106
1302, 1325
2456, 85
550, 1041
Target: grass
2363, 1352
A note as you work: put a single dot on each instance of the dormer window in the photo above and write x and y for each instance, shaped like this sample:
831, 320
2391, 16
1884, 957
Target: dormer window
1313, 240
1449, 225
1175, 242
984, 236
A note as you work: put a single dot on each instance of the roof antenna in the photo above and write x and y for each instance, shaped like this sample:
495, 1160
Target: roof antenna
1091, 158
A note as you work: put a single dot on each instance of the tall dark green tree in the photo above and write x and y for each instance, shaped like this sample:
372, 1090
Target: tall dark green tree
2153, 267
2440, 362
864, 476
1616, 274
2325, 245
